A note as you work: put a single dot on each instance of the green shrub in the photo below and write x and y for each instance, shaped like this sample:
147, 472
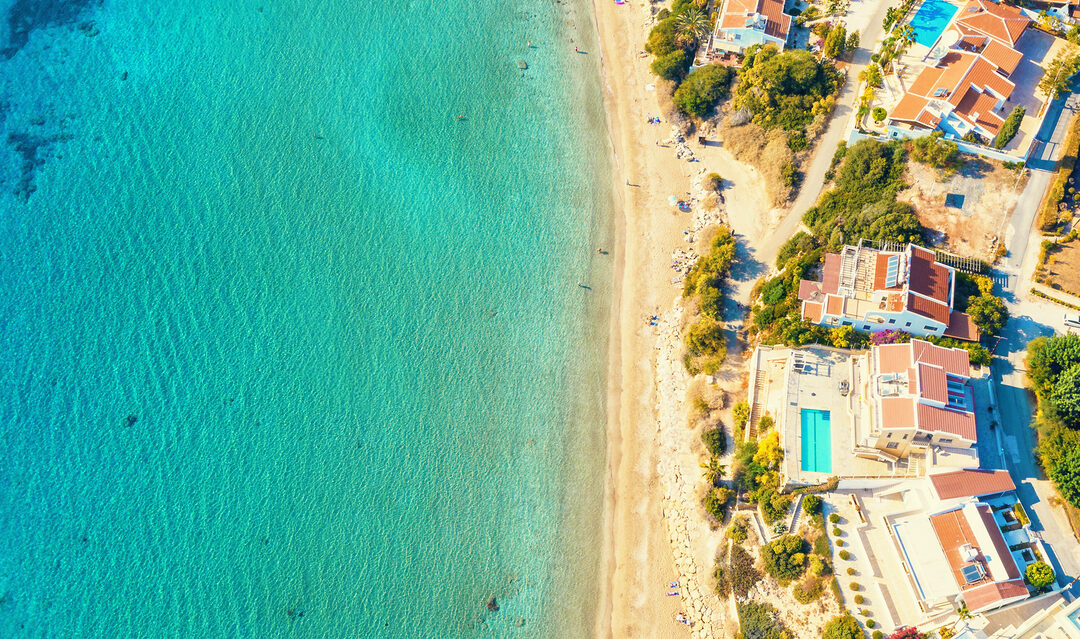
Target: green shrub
989, 313
713, 182
662, 40
716, 502
785, 558
837, 532
859, 599
807, 590
760, 621
839, 543
672, 66
1021, 514
933, 150
821, 546
817, 565
854, 586
851, 572
864, 612
845, 555
1008, 130
741, 412
703, 89
878, 114
811, 504
715, 441
877, 635
834, 518
1039, 574
842, 627
870, 623
737, 531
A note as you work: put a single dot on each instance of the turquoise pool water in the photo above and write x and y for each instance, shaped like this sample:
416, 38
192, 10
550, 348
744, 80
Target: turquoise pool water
931, 19
816, 441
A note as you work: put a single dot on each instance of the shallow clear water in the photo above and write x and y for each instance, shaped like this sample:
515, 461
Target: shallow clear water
367, 390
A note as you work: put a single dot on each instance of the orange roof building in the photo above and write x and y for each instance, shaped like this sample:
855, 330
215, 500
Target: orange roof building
965, 87
872, 290
920, 396
744, 23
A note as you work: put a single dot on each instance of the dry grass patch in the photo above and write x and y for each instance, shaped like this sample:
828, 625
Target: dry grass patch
1061, 268
768, 152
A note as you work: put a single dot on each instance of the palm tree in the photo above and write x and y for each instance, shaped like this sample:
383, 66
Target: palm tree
713, 469
691, 26
962, 614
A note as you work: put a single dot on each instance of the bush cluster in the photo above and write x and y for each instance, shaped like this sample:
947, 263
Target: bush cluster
715, 441
807, 590
703, 89
1053, 367
785, 558
761, 621
842, 627
706, 344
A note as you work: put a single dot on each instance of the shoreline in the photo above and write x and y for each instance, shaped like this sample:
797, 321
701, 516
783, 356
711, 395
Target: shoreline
653, 526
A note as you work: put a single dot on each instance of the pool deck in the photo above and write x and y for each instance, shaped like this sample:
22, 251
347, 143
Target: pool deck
810, 378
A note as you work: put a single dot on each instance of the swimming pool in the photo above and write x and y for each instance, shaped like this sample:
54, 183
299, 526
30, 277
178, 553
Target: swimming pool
931, 19
816, 441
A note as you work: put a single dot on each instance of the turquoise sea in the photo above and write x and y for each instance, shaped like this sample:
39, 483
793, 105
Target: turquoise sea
288, 350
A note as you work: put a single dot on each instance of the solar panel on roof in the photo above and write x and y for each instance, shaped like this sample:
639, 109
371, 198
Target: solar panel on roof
971, 573
891, 271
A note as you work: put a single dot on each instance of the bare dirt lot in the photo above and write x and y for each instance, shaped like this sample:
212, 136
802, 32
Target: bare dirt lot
969, 226
1062, 268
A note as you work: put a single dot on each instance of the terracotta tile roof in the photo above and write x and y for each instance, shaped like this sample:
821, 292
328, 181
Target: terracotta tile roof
834, 305
1002, 56
1001, 548
932, 383
881, 270
944, 420
926, 81
830, 274
999, 21
809, 290
911, 109
912, 381
928, 277
894, 303
994, 594
893, 358
955, 361
961, 326
898, 412
983, 75
811, 311
971, 483
978, 109
928, 308
954, 532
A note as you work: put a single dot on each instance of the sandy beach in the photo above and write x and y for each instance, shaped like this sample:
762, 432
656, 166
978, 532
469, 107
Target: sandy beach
655, 531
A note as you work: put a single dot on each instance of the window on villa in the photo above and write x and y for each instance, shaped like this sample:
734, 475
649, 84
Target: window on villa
944, 441
892, 320
905, 436
846, 323
889, 435
891, 445
927, 328
866, 327
908, 324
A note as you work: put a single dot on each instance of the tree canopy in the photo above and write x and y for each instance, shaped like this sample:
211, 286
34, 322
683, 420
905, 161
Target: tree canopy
785, 557
703, 89
784, 90
1039, 574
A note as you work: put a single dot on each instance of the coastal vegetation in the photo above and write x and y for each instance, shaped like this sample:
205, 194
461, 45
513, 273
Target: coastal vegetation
843, 627
785, 90
703, 89
1053, 368
760, 621
785, 558
1039, 575
935, 151
703, 286
1057, 75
